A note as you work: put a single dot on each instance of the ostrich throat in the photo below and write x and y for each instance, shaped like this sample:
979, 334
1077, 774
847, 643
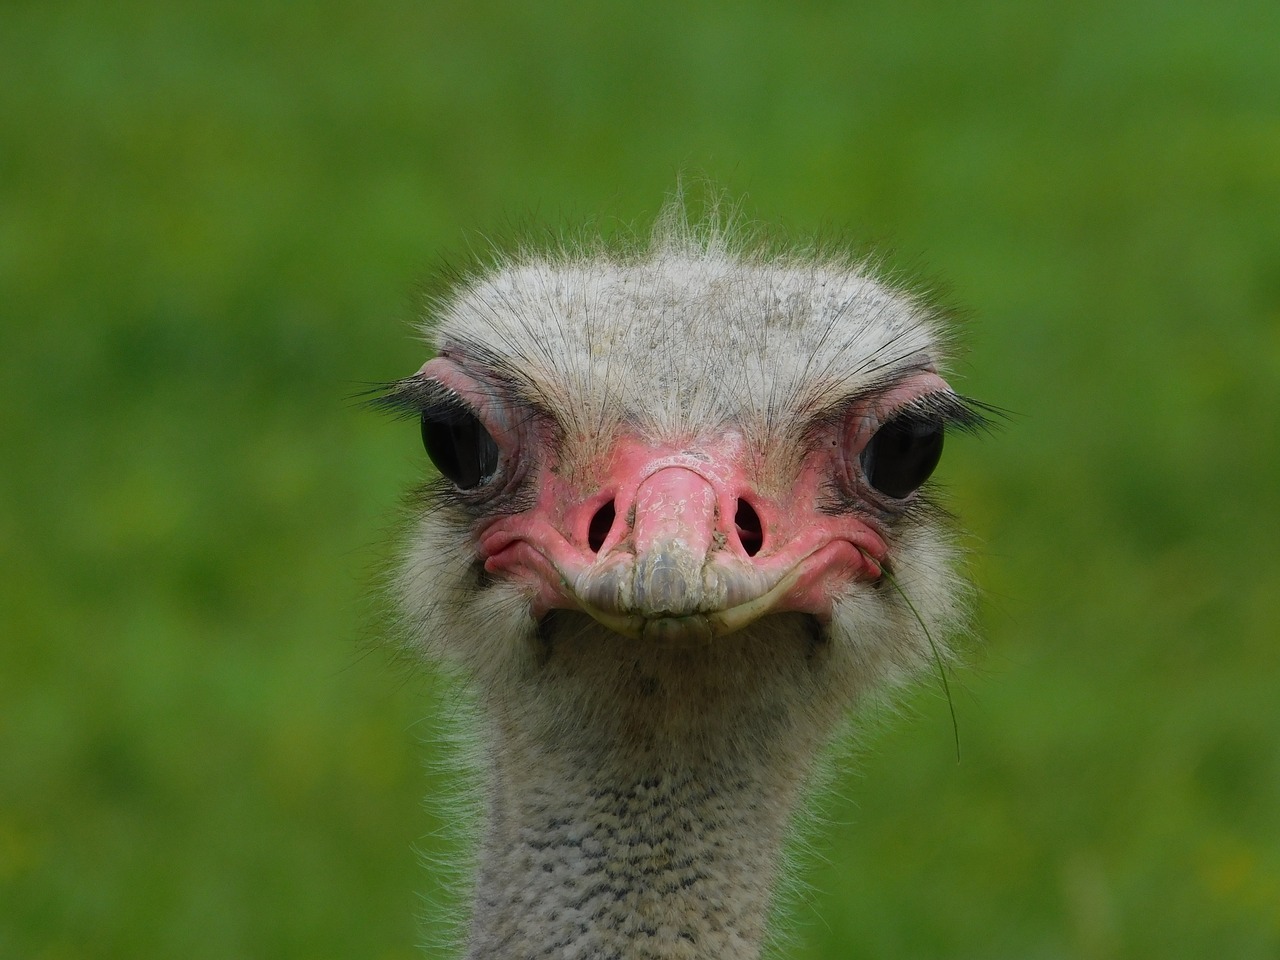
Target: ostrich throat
639, 797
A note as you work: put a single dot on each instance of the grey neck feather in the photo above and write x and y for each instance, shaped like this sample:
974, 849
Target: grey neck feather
639, 808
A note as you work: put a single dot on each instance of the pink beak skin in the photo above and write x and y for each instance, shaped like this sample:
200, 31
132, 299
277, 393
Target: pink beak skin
673, 565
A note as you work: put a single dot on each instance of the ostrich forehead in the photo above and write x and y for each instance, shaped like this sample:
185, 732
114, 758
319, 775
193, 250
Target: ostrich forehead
686, 341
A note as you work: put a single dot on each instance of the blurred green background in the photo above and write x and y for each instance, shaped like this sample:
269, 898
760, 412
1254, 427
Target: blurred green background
214, 222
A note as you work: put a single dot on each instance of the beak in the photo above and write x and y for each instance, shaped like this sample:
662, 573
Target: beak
675, 564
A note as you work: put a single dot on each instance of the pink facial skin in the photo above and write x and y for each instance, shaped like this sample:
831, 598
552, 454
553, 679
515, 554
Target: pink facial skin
693, 548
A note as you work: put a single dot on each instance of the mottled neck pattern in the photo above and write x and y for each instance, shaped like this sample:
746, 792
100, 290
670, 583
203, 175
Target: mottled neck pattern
641, 813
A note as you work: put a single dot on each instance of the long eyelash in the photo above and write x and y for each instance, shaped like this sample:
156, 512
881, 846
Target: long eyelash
414, 396
944, 407
954, 410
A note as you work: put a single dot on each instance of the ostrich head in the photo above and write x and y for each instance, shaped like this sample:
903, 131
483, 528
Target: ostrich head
681, 526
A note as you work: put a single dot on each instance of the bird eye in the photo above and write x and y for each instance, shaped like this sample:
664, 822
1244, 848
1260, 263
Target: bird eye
902, 454
459, 446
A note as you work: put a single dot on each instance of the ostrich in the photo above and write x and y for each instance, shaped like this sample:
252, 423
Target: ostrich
678, 531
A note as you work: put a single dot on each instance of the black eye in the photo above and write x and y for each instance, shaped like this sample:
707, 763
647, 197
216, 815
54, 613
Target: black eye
459, 446
902, 455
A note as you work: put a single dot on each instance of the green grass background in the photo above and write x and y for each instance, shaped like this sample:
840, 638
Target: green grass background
214, 220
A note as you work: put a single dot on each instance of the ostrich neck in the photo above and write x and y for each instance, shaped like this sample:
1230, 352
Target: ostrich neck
638, 809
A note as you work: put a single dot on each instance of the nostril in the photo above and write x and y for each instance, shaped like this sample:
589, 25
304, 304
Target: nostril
601, 524
750, 533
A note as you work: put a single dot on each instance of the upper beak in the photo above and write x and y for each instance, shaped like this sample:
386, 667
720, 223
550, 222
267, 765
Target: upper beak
673, 564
